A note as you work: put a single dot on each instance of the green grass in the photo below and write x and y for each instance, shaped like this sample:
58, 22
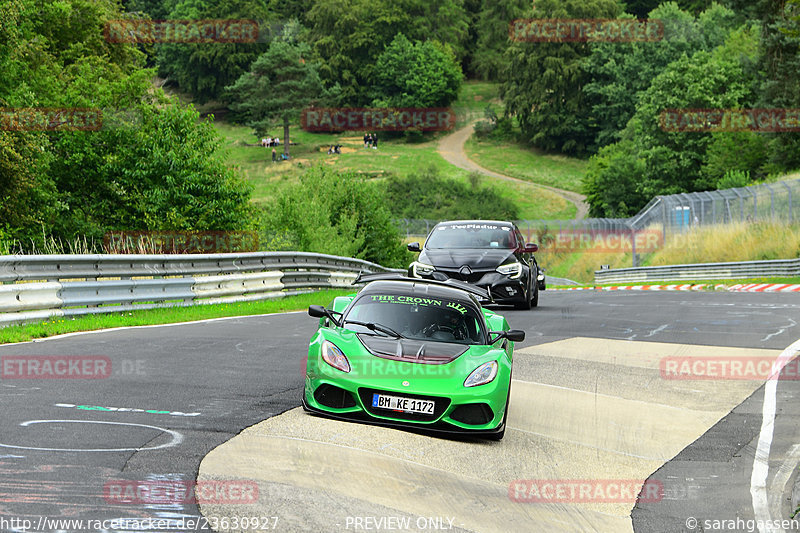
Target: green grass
169, 315
523, 162
472, 100
392, 157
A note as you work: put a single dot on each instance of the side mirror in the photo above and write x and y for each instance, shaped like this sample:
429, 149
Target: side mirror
514, 335
530, 248
414, 247
317, 311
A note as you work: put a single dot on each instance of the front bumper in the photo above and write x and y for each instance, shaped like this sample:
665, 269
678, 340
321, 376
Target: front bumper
502, 288
437, 428
458, 409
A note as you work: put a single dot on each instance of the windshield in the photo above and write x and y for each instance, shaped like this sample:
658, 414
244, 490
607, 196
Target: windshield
472, 236
417, 318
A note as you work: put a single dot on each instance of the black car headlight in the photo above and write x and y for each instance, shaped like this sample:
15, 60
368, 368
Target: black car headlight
512, 270
421, 269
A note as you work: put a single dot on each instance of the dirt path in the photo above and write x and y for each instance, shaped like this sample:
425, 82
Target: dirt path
451, 148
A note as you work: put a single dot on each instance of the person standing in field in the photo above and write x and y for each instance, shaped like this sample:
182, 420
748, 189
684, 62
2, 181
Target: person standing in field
274, 155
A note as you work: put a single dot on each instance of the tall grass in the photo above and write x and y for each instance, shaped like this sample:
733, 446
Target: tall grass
739, 241
49, 245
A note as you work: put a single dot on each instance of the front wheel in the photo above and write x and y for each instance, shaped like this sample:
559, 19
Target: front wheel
535, 299
525, 304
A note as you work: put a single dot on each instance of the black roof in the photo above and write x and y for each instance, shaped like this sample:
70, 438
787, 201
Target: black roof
366, 277
492, 222
421, 288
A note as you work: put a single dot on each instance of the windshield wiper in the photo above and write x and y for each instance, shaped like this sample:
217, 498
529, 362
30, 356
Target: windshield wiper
376, 327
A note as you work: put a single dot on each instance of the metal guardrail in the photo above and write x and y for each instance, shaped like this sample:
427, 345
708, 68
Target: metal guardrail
39, 287
778, 268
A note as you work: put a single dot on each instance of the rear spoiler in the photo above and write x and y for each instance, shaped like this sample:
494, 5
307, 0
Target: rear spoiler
483, 294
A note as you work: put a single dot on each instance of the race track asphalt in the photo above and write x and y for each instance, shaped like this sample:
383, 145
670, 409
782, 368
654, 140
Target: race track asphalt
588, 403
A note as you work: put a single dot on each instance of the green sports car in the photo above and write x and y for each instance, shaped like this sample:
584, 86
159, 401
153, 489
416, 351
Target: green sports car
411, 352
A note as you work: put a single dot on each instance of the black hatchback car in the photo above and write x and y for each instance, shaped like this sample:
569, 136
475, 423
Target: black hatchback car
485, 253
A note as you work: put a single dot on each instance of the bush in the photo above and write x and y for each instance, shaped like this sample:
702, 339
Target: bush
734, 178
337, 213
428, 195
744, 151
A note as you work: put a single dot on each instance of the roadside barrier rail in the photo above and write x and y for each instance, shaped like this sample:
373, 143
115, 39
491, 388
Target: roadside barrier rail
39, 287
777, 268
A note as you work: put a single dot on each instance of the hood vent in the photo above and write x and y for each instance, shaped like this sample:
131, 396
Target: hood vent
411, 350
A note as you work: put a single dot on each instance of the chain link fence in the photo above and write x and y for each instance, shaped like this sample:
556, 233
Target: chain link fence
666, 214
675, 213
779, 201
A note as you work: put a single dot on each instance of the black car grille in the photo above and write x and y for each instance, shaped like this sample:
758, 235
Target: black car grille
473, 277
440, 405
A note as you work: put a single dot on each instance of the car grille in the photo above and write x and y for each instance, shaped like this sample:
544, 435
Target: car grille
474, 277
440, 405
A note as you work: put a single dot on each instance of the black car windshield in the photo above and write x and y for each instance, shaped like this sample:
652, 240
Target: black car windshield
419, 318
476, 235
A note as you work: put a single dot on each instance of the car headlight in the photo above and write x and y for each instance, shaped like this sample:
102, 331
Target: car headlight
482, 375
513, 270
335, 357
421, 269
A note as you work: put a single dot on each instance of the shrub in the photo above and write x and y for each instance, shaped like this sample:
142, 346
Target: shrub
337, 213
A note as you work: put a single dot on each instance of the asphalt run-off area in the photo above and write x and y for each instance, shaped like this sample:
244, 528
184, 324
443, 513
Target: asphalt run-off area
201, 421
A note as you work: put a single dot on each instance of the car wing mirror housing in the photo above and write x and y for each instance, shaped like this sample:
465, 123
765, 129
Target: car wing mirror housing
514, 335
530, 248
414, 247
318, 311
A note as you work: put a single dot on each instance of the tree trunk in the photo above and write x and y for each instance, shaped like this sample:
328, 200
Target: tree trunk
286, 136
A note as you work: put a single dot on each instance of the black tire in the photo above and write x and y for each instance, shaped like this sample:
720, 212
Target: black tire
535, 299
525, 304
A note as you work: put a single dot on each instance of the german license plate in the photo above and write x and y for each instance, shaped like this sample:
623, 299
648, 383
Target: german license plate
407, 405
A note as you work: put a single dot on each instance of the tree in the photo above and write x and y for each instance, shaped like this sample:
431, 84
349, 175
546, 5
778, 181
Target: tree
620, 72
156, 9
205, 69
544, 88
162, 171
349, 35
610, 183
488, 60
280, 83
27, 195
780, 43
151, 164
667, 161
415, 75
743, 151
